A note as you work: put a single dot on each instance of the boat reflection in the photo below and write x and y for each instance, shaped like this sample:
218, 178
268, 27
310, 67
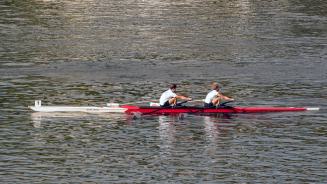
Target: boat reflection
215, 126
167, 133
39, 117
177, 131
211, 128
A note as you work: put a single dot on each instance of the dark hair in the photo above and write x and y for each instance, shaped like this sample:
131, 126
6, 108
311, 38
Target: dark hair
173, 86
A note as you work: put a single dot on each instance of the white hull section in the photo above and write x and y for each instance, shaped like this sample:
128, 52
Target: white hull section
313, 109
111, 108
88, 109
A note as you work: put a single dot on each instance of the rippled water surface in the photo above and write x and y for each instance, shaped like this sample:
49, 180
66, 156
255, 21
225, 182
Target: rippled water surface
96, 51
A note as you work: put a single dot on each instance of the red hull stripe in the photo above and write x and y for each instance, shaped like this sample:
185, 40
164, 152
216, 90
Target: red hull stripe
160, 110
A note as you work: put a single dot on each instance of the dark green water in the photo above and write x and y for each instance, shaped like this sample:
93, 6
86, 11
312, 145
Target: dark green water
96, 51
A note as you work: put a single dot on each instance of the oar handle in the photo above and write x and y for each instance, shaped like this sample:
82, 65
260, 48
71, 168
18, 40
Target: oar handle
224, 103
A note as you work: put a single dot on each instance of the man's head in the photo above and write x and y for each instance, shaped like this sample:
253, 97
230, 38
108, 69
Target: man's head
173, 87
215, 86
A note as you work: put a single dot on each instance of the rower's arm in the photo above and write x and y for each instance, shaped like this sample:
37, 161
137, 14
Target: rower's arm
183, 97
225, 97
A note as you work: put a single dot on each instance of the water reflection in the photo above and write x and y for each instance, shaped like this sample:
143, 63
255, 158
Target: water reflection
212, 128
167, 133
41, 117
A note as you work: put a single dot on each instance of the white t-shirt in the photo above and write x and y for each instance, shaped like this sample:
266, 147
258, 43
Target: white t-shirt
210, 96
166, 96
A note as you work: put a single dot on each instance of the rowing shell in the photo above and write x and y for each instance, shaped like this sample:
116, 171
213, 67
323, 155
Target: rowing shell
116, 108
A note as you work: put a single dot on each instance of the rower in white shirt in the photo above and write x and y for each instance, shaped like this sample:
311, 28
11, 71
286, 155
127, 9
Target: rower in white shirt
214, 97
169, 97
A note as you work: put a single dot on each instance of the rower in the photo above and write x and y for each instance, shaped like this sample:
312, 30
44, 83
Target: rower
214, 97
169, 97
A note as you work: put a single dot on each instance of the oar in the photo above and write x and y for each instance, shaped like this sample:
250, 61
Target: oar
156, 101
137, 102
197, 100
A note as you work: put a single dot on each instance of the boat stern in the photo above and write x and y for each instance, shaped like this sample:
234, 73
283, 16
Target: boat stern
37, 104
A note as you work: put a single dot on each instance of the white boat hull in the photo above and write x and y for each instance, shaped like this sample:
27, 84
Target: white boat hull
88, 109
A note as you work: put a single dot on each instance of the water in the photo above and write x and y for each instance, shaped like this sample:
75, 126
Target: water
96, 51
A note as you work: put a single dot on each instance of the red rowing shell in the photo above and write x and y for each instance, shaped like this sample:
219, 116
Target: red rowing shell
192, 110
